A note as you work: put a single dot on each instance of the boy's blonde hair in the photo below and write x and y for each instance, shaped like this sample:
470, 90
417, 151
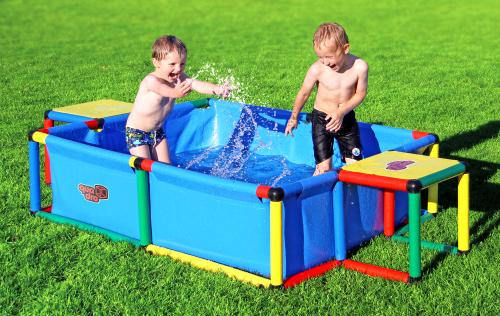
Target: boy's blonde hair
166, 44
330, 33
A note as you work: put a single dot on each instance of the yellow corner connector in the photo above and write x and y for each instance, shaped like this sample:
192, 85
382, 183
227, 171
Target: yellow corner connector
131, 161
39, 137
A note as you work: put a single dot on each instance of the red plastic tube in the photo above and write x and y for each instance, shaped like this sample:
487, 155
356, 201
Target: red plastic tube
373, 180
47, 123
376, 271
311, 273
388, 213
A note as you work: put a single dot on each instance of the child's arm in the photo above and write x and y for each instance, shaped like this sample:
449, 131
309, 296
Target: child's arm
181, 89
210, 88
301, 98
359, 95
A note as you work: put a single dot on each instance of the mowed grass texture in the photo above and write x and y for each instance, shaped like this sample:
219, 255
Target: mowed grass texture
433, 67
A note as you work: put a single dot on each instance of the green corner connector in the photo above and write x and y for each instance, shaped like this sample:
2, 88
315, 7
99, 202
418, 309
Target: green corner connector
83, 226
201, 103
144, 208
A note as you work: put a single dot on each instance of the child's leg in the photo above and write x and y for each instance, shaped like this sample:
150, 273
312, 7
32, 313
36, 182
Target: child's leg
350, 160
323, 167
161, 151
349, 140
322, 143
141, 151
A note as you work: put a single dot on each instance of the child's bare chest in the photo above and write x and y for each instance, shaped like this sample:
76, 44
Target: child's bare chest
333, 81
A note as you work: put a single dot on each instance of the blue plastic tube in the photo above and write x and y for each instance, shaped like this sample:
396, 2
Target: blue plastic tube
338, 221
35, 198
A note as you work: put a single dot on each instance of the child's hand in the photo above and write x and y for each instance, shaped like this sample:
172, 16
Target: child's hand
291, 125
335, 123
183, 88
224, 90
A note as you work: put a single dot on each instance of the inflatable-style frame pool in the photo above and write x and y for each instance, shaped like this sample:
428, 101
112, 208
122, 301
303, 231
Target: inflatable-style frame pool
261, 234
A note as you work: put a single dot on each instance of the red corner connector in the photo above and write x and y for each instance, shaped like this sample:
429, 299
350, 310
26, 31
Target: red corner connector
147, 165
95, 123
418, 134
263, 191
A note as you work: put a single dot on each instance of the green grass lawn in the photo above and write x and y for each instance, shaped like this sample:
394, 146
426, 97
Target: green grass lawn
433, 67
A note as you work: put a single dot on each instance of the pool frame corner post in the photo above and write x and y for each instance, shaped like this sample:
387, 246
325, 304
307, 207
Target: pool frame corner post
47, 123
433, 191
34, 168
389, 202
276, 196
142, 167
414, 188
339, 222
463, 212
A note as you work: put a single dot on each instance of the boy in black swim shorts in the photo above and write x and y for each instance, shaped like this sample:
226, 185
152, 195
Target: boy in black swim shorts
342, 81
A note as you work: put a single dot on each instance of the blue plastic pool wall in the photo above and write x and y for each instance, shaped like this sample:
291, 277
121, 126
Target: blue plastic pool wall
213, 218
74, 165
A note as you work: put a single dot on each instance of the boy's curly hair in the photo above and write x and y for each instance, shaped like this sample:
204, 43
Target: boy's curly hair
166, 44
330, 33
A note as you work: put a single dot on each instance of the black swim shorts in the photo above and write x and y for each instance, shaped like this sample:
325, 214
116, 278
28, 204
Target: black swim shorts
347, 137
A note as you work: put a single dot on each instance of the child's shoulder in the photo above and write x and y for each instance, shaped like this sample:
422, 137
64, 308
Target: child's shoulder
151, 78
316, 68
359, 64
151, 81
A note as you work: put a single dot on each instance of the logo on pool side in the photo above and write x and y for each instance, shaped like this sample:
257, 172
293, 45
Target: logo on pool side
94, 194
399, 164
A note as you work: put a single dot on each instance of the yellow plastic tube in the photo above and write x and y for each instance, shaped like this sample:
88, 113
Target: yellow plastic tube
432, 200
210, 266
276, 244
463, 212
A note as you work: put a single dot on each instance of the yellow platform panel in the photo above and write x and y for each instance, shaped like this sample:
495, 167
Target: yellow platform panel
401, 165
97, 109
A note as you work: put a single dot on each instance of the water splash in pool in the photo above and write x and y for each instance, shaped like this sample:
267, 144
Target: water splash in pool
244, 156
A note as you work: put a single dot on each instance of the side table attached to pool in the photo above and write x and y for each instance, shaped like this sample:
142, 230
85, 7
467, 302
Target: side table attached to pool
398, 171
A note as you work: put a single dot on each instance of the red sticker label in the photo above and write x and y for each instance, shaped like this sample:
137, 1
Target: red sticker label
94, 194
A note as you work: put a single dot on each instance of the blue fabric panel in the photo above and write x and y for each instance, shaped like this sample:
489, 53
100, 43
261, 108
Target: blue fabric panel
308, 223
74, 165
78, 132
190, 128
211, 218
378, 138
364, 213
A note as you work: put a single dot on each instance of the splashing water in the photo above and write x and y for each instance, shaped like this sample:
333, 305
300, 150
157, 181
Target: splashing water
239, 92
236, 160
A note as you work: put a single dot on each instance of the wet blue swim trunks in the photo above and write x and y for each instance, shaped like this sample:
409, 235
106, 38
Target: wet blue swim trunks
136, 137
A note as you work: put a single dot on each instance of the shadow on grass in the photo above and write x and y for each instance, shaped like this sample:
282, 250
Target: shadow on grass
484, 195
